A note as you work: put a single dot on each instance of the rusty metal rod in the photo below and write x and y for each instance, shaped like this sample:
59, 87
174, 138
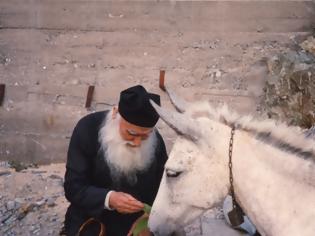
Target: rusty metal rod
2, 90
89, 96
162, 77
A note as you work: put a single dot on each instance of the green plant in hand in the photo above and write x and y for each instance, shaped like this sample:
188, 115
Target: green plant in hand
147, 209
142, 224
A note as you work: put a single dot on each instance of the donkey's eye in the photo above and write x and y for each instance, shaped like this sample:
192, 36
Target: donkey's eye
172, 173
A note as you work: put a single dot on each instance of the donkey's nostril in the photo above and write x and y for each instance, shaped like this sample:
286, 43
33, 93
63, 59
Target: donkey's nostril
174, 234
178, 232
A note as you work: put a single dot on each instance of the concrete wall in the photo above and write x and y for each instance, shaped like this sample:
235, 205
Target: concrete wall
51, 51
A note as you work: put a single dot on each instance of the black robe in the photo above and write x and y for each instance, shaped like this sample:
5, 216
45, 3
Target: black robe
87, 180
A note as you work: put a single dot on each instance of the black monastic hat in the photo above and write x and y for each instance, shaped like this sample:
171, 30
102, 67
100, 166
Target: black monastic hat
135, 107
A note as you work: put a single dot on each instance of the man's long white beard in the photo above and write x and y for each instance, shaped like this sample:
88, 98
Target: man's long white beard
123, 160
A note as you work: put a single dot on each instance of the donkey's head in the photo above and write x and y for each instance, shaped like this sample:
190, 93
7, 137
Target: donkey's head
196, 175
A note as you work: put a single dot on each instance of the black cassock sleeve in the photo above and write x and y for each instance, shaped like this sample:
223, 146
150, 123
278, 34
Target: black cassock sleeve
78, 189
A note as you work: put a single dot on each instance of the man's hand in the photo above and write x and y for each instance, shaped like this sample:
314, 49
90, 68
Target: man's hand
124, 203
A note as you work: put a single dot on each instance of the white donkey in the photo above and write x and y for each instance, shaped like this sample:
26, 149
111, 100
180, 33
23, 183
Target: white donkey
273, 171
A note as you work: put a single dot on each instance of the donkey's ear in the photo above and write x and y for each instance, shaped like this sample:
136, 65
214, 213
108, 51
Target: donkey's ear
179, 104
180, 123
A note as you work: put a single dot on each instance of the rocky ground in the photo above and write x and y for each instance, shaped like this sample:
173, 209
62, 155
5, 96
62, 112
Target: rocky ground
32, 200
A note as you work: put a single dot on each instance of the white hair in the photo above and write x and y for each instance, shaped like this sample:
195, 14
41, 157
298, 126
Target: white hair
123, 160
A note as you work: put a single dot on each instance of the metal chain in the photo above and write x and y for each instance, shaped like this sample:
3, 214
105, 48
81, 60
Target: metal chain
230, 167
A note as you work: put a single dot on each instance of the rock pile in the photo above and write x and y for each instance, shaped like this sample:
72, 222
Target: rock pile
290, 86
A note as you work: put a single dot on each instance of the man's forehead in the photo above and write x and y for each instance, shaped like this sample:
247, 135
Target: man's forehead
139, 132
131, 128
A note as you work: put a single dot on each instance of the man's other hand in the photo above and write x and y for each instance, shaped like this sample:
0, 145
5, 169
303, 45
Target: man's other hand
124, 203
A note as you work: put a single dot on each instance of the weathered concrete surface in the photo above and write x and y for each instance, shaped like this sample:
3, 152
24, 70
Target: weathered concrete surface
114, 16
51, 51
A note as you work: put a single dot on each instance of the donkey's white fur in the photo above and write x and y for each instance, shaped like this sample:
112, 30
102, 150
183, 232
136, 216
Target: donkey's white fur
276, 188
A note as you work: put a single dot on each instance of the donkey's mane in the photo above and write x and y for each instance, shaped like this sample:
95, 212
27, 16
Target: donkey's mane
289, 138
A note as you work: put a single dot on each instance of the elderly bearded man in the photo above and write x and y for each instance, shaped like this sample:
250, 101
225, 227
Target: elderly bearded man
115, 163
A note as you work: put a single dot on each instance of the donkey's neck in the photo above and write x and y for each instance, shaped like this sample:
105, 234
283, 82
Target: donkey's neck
276, 189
